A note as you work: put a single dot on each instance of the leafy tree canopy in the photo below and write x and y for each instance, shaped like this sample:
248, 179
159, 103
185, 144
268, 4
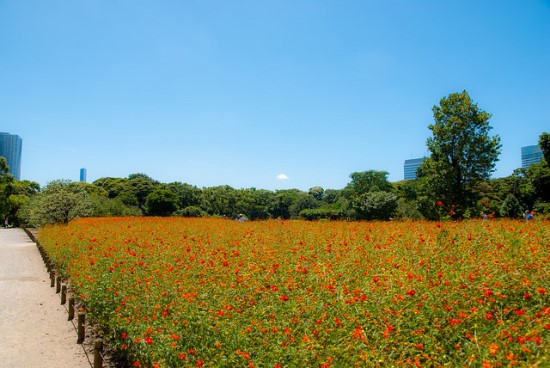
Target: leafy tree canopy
59, 202
161, 202
544, 144
367, 181
462, 152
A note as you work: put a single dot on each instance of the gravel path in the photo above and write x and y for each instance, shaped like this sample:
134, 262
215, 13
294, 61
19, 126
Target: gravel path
34, 330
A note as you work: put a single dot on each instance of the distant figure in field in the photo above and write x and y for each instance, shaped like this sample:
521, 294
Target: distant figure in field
528, 215
485, 215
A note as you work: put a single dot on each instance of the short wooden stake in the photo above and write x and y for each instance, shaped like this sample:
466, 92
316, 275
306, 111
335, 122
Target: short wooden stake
71, 307
58, 284
80, 329
98, 350
52, 278
63, 294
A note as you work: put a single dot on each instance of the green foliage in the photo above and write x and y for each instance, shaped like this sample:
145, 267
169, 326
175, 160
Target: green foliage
161, 202
59, 202
302, 202
109, 207
407, 209
377, 205
253, 203
4, 167
191, 211
132, 191
334, 196
188, 195
511, 207
370, 195
14, 194
462, 153
219, 201
544, 144
538, 176
368, 181
335, 211
282, 202
6, 180
316, 192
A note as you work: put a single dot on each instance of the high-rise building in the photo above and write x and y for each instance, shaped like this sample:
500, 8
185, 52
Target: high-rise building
10, 148
530, 155
83, 175
411, 166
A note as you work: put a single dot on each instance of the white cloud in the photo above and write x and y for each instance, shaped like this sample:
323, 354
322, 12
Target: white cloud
282, 177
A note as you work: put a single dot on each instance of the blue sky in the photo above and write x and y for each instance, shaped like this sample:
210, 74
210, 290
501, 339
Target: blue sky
270, 94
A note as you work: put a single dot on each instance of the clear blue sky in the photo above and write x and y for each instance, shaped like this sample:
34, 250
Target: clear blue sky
215, 92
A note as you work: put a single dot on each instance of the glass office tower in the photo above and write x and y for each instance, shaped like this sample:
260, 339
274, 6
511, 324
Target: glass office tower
83, 175
411, 166
530, 155
10, 148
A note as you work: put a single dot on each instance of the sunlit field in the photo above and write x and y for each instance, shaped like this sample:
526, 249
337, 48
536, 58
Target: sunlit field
173, 292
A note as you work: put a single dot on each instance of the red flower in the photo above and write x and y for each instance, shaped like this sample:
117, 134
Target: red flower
284, 297
455, 321
411, 292
124, 335
439, 203
137, 364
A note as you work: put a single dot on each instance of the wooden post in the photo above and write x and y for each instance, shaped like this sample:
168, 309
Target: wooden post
71, 307
52, 278
80, 329
63, 294
98, 350
58, 284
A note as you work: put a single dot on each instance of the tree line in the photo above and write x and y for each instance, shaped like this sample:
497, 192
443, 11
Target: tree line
453, 182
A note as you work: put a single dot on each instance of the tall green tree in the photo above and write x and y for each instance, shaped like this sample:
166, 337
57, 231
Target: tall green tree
21, 193
282, 202
370, 195
544, 144
188, 195
367, 181
219, 201
59, 202
6, 180
462, 154
254, 203
161, 202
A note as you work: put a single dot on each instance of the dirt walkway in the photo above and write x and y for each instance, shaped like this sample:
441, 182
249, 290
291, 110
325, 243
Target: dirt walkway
34, 328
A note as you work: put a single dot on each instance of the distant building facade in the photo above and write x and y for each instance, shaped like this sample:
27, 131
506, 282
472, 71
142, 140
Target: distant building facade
530, 155
11, 146
83, 175
411, 166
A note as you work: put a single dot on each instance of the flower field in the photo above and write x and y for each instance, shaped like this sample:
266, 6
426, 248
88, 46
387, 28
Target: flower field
176, 292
